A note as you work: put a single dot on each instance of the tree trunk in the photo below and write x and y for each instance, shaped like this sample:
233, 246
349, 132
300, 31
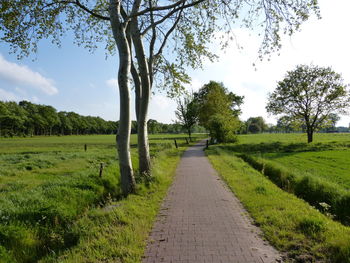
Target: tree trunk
138, 95
142, 138
310, 133
123, 138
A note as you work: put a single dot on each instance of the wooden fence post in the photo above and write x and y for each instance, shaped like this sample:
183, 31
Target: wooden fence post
175, 143
85, 147
101, 169
207, 144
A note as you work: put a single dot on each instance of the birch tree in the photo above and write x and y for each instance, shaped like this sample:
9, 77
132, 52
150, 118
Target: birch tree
165, 36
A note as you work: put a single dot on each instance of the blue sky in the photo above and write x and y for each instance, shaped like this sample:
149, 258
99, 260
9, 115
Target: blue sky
72, 79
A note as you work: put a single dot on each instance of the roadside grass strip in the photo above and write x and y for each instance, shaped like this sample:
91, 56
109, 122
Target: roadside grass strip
118, 232
288, 223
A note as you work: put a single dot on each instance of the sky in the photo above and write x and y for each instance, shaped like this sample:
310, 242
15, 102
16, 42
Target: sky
72, 79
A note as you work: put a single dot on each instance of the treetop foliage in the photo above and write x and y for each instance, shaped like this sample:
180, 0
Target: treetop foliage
190, 24
213, 98
218, 111
310, 90
26, 118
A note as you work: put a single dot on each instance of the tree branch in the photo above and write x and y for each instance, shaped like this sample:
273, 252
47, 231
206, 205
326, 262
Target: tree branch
162, 8
77, 3
168, 34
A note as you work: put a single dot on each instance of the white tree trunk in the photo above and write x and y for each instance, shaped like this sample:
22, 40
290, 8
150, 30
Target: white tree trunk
123, 138
143, 146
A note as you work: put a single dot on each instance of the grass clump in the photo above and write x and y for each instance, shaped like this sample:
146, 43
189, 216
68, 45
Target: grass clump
312, 227
287, 222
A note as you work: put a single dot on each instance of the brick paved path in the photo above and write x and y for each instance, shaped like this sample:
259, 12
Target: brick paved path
202, 221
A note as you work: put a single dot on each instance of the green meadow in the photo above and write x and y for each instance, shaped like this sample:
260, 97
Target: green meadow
298, 193
328, 158
54, 206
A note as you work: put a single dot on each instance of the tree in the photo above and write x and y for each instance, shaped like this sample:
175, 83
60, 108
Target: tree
153, 126
66, 124
132, 26
50, 116
213, 98
256, 124
331, 121
288, 124
187, 113
223, 127
218, 110
310, 93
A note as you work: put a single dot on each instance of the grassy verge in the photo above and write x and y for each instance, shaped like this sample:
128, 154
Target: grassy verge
328, 197
118, 232
289, 223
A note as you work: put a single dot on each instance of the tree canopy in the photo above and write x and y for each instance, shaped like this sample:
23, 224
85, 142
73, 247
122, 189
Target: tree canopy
256, 125
218, 111
311, 94
213, 98
28, 119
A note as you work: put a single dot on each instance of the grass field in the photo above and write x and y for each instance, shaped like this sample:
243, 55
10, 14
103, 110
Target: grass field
52, 199
260, 167
327, 158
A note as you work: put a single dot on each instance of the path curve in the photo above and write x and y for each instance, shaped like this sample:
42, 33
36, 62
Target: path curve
202, 221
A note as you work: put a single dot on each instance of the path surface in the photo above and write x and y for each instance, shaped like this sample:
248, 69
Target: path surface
202, 221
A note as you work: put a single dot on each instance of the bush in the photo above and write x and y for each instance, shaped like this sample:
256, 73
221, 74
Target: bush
223, 128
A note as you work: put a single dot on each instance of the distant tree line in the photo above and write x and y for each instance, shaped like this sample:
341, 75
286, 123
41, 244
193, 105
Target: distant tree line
30, 119
289, 125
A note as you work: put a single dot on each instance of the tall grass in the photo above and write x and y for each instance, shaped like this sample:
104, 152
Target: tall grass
316, 191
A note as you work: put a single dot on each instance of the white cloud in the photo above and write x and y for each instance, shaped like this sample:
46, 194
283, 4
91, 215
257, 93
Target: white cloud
22, 75
8, 96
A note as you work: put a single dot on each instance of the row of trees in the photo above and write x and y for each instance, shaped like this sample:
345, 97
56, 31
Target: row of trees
214, 108
287, 124
29, 119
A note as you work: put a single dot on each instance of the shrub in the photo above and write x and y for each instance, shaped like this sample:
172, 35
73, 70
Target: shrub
223, 128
